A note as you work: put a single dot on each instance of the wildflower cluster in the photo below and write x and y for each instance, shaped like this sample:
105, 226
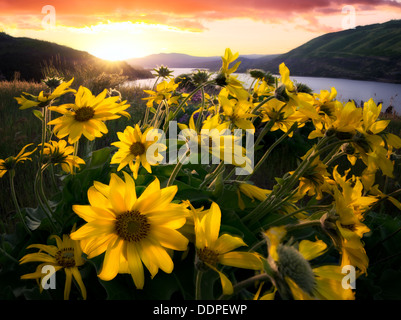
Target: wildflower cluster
124, 209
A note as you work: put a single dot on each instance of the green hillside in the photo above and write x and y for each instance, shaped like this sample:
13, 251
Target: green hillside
370, 52
28, 57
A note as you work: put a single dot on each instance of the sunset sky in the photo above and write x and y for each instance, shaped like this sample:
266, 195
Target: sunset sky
122, 29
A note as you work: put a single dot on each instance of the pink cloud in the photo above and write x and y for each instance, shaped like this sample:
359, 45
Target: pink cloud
188, 14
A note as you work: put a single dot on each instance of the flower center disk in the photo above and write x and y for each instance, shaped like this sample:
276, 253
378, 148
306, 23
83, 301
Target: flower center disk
208, 256
65, 257
84, 114
132, 226
137, 148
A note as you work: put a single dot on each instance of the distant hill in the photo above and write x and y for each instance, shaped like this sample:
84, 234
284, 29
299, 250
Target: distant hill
28, 57
179, 60
370, 52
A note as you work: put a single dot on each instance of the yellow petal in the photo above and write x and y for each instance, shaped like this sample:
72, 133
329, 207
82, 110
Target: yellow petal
211, 224
312, 249
238, 259
135, 265
111, 261
169, 238
226, 243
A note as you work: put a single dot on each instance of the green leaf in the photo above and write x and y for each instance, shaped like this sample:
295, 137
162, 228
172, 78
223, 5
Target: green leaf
38, 114
99, 158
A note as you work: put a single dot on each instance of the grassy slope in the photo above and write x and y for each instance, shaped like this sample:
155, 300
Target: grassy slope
29, 56
370, 52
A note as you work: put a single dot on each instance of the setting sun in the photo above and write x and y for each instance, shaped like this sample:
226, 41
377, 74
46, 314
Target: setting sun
114, 52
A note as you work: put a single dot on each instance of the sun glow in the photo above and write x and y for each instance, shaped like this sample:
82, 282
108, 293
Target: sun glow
123, 40
114, 52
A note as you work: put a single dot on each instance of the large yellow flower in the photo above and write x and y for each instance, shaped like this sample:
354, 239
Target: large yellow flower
215, 138
314, 179
87, 115
57, 152
283, 115
133, 149
227, 80
213, 249
164, 91
301, 101
237, 111
304, 281
350, 205
66, 255
132, 231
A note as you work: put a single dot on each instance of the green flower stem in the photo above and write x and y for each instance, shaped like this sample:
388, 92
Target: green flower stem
267, 153
298, 173
270, 201
265, 130
41, 198
177, 169
200, 115
261, 104
334, 158
213, 175
279, 220
14, 197
304, 224
182, 103
146, 117
174, 174
198, 285
75, 154
156, 116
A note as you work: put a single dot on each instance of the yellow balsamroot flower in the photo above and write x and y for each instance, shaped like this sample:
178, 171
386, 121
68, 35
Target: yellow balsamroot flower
87, 115
353, 194
65, 255
57, 152
283, 115
164, 91
314, 180
230, 82
133, 149
213, 249
262, 88
301, 101
372, 145
251, 191
326, 105
11, 162
216, 139
304, 281
347, 119
237, 111
27, 100
349, 206
370, 114
132, 231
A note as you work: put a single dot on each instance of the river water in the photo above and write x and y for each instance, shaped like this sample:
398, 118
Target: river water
389, 94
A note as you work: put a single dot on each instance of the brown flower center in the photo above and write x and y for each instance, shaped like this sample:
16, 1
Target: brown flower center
137, 148
84, 114
65, 257
132, 226
208, 256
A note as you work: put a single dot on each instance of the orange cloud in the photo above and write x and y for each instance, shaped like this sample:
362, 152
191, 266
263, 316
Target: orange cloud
184, 14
